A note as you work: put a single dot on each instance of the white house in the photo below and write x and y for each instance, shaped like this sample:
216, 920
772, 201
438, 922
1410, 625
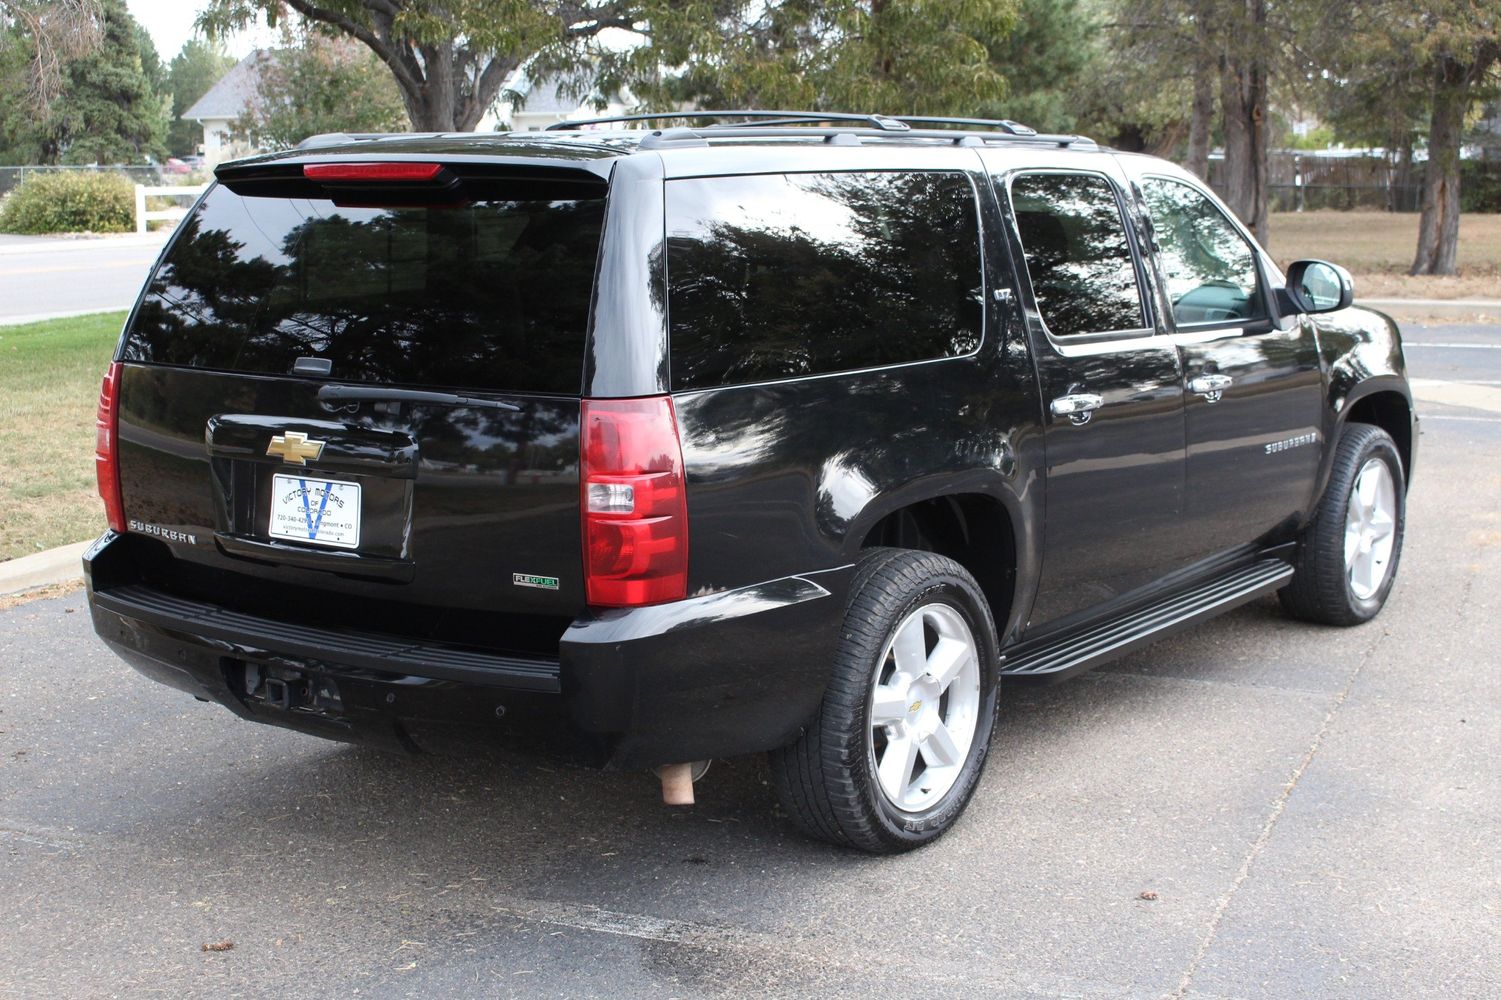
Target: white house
538, 105
225, 101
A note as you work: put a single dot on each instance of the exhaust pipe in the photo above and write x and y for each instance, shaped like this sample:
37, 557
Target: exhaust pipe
677, 781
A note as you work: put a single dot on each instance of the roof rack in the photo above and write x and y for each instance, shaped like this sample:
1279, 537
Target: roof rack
885, 123
830, 126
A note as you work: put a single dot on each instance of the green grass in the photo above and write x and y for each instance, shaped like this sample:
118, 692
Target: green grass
49, 389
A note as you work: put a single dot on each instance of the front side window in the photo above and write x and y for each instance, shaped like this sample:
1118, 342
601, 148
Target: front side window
776, 276
1077, 253
1208, 267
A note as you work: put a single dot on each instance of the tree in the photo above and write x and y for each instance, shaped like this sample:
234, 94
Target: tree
1460, 42
448, 59
191, 73
49, 33
106, 109
319, 84
892, 56
1045, 58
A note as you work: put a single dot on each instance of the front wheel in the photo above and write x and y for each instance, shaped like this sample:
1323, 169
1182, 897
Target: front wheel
1348, 555
899, 742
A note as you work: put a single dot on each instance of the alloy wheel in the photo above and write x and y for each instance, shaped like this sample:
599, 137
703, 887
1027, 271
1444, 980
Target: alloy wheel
924, 707
1370, 528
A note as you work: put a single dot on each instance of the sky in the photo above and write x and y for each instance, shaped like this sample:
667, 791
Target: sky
170, 23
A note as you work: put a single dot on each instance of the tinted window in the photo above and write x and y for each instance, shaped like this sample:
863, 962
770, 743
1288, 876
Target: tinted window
777, 276
1077, 253
1208, 266
490, 295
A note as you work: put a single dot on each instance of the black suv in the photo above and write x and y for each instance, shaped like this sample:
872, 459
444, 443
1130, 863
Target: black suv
789, 433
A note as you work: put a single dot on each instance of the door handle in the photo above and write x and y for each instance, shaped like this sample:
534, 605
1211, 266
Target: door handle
1077, 406
1210, 385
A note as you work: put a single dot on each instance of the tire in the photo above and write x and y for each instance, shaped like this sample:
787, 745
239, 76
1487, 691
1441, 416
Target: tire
830, 781
1348, 554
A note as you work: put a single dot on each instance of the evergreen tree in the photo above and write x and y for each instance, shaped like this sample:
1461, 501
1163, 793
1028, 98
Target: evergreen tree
192, 72
108, 111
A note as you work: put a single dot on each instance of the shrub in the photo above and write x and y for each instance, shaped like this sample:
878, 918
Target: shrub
70, 201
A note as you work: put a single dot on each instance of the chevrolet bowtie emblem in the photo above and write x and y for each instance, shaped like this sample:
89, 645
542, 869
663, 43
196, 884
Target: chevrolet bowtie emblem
294, 448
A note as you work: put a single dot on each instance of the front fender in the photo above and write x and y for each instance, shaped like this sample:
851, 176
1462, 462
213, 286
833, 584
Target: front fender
1365, 372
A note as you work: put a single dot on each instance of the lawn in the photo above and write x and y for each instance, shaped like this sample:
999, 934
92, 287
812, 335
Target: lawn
1378, 247
49, 389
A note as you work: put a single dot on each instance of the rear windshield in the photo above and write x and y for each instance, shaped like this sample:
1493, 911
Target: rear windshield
491, 295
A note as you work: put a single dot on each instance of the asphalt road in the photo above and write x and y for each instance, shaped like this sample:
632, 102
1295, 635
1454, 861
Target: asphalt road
1317, 811
43, 276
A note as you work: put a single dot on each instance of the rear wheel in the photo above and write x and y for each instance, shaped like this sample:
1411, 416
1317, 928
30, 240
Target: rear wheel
1348, 555
898, 745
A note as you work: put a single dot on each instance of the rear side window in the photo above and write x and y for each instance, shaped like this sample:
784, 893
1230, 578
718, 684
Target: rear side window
783, 275
490, 295
1078, 257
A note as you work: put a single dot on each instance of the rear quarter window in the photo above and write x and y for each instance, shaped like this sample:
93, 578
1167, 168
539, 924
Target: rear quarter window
490, 295
784, 275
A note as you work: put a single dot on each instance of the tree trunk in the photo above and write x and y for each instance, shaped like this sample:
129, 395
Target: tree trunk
1438, 229
1201, 114
1243, 89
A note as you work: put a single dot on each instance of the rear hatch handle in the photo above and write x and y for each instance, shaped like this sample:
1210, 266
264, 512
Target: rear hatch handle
368, 393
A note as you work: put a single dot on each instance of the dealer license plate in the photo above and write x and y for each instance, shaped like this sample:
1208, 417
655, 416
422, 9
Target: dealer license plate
315, 511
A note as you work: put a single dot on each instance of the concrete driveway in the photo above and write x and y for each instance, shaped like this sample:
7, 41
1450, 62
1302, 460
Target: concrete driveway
1256, 809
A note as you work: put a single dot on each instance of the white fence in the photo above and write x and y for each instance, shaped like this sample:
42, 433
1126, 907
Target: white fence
172, 214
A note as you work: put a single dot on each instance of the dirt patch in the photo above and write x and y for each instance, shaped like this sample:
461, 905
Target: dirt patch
40, 594
1378, 247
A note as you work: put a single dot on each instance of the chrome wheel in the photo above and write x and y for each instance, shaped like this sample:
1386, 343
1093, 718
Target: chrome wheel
924, 707
1370, 529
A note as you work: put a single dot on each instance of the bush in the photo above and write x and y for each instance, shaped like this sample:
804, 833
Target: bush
1479, 186
70, 201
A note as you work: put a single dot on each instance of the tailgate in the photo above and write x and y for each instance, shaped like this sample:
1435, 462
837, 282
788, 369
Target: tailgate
365, 396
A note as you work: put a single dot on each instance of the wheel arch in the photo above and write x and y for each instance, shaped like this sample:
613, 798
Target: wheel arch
979, 530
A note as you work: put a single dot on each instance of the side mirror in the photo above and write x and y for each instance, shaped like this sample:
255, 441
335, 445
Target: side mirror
1317, 286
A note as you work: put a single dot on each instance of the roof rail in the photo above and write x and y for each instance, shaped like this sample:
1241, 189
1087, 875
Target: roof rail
1000, 124
885, 123
840, 136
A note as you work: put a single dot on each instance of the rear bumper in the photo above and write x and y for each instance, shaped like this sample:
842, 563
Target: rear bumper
716, 675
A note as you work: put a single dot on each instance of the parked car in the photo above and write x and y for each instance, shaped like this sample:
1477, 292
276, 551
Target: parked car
794, 434
176, 166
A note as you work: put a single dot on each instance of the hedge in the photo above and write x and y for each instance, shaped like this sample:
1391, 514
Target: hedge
70, 201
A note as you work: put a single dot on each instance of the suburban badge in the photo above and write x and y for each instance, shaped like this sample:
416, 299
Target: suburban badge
294, 448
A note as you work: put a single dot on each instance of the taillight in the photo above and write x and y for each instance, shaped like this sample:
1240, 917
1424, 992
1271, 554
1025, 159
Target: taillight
635, 510
107, 446
369, 173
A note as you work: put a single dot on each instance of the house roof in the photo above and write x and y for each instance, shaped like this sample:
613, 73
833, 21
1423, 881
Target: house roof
233, 93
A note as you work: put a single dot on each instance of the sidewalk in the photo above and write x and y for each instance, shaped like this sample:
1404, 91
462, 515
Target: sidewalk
12, 244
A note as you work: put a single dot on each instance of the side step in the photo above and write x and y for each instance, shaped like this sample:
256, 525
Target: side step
1059, 657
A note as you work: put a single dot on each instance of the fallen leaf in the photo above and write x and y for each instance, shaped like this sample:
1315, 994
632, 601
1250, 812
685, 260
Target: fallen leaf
224, 945
1147, 894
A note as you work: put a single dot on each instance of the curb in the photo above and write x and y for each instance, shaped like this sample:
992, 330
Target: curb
59, 565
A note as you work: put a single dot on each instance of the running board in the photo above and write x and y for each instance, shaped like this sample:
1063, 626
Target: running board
1057, 658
